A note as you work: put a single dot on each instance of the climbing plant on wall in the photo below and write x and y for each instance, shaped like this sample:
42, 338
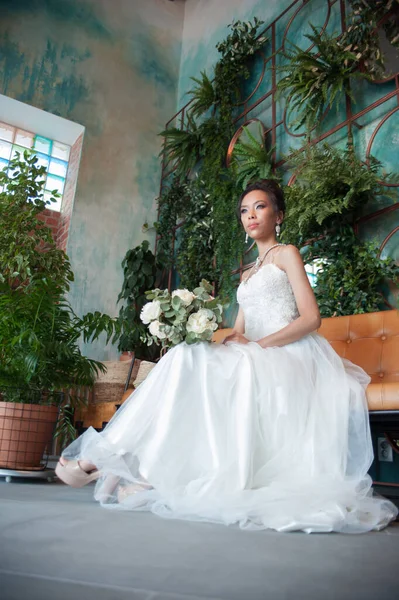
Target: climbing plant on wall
330, 190
211, 241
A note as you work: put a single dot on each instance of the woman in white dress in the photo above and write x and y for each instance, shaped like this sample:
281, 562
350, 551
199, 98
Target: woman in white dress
268, 430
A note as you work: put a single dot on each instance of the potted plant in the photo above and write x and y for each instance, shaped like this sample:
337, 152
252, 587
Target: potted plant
140, 273
39, 331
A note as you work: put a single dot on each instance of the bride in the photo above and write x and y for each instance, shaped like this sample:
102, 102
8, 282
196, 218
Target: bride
268, 430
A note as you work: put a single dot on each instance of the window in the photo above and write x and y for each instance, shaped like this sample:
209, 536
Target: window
52, 155
311, 271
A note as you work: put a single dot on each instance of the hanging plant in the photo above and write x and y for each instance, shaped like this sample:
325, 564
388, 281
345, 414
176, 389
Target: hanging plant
230, 70
251, 160
315, 81
183, 147
203, 95
332, 185
361, 34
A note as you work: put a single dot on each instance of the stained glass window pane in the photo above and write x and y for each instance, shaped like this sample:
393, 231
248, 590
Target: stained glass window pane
58, 167
43, 160
55, 183
42, 144
5, 150
24, 138
53, 156
6, 132
52, 205
60, 151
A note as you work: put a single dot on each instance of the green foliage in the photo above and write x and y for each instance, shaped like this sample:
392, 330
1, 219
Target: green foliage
173, 207
332, 186
352, 274
27, 249
203, 95
196, 241
183, 146
251, 159
361, 38
210, 238
237, 49
316, 80
39, 331
139, 275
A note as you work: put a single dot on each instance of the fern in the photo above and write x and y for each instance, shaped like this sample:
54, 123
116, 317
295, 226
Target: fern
332, 186
314, 82
183, 146
203, 96
251, 159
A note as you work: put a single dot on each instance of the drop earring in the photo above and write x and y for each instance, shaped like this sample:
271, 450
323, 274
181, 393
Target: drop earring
246, 238
278, 229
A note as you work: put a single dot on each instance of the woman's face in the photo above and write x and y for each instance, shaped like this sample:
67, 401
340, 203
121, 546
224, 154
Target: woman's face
258, 215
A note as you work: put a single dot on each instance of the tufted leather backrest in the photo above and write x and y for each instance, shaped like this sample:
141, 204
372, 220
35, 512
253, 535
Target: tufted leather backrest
370, 341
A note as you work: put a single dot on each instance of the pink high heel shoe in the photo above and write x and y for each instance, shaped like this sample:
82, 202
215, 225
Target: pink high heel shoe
72, 474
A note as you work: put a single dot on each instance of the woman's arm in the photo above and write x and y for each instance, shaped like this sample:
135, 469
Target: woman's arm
290, 260
239, 325
238, 330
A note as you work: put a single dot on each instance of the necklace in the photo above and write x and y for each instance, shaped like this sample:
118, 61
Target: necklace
259, 262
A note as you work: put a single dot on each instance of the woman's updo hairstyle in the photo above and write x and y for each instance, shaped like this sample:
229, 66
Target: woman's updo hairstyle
271, 188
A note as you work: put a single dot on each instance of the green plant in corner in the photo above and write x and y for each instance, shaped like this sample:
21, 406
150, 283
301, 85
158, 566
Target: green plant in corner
39, 331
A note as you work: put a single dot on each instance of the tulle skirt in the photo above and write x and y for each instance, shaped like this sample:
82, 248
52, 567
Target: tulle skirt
273, 438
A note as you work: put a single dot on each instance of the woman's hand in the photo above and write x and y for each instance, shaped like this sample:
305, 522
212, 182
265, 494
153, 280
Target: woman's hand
237, 338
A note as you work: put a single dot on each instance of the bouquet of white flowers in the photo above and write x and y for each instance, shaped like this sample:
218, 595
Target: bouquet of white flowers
181, 316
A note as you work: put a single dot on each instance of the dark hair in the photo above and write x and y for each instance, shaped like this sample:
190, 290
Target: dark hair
271, 188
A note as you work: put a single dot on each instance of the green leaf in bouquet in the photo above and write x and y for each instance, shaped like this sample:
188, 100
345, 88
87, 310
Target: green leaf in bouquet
176, 302
191, 338
169, 314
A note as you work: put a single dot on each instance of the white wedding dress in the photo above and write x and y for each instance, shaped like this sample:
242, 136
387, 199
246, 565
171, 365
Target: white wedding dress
264, 438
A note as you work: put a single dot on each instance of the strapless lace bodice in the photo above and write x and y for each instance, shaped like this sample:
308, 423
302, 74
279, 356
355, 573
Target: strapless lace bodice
268, 302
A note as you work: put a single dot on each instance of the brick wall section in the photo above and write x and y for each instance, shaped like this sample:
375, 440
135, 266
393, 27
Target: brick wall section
52, 219
69, 194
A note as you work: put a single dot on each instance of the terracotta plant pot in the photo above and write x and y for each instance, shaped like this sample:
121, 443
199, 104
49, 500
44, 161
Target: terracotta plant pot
26, 431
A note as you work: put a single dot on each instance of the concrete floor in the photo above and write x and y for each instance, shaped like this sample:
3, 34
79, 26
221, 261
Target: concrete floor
56, 543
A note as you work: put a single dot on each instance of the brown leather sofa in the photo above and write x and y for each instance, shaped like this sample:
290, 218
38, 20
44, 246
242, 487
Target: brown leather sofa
370, 341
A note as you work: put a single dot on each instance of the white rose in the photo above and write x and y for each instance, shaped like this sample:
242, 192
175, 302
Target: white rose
200, 321
150, 311
185, 296
155, 329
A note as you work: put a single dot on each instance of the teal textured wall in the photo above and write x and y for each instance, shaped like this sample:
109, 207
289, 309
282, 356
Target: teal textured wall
112, 67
